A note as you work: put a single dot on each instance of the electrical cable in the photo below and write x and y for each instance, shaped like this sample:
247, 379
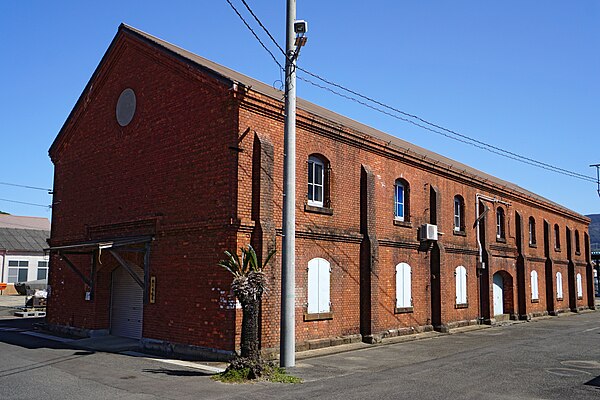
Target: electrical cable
23, 202
25, 186
465, 139
254, 33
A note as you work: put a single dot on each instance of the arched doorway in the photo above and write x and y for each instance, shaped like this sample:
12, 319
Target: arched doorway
498, 294
503, 293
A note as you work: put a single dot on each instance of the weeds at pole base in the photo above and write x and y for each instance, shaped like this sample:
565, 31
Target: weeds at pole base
270, 373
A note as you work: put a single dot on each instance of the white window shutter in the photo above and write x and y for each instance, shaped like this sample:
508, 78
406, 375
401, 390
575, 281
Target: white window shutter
559, 290
534, 286
461, 284
403, 286
579, 286
399, 286
406, 281
313, 286
324, 285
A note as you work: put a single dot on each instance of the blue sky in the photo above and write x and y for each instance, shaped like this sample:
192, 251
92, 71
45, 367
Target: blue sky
524, 76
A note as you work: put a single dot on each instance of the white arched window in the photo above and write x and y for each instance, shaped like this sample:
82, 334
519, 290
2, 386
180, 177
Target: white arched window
559, 291
319, 271
461, 284
579, 287
316, 179
403, 286
534, 286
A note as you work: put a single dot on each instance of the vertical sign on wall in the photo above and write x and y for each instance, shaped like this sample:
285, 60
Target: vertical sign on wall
152, 289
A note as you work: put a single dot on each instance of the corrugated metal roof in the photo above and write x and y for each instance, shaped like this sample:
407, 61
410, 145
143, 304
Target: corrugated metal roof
12, 239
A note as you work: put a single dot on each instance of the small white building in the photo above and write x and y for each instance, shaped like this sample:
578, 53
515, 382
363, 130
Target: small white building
22, 243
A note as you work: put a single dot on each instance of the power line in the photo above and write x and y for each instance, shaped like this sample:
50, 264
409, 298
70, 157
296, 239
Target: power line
25, 186
23, 202
486, 146
263, 27
254, 33
425, 124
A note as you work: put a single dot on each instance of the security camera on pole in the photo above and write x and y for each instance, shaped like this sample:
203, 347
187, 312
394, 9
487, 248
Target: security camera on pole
295, 39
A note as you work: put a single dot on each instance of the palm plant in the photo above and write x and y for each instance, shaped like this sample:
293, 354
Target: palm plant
249, 284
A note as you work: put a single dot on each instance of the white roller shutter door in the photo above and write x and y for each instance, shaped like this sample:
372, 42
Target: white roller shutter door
127, 305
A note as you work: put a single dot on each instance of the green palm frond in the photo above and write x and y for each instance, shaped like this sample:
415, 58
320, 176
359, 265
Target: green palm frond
245, 263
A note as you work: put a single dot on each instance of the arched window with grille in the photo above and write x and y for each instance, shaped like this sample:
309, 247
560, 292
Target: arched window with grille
500, 224
532, 239
319, 181
459, 214
401, 200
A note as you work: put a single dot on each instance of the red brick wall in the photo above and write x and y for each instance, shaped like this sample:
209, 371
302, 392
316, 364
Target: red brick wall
187, 163
171, 164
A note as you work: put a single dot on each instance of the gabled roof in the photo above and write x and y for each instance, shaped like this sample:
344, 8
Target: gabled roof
19, 222
232, 76
26, 240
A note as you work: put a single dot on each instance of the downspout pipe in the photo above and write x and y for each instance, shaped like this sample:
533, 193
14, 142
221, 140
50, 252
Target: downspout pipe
478, 198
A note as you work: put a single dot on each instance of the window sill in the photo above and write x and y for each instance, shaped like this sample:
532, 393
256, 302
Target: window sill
579, 297
557, 249
404, 224
403, 310
318, 316
533, 245
559, 299
500, 239
318, 210
535, 300
462, 305
459, 233
577, 253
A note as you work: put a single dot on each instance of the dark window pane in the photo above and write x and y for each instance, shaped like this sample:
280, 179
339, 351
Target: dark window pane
318, 174
22, 275
318, 193
42, 273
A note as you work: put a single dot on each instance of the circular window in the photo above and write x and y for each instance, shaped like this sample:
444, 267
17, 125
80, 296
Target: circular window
126, 107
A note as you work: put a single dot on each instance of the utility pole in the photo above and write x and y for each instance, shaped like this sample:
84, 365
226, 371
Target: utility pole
287, 343
597, 176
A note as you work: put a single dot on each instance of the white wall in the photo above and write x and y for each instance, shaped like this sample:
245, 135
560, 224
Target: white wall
32, 267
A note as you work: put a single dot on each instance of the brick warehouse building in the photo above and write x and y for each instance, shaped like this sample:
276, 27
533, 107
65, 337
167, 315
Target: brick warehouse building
168, 159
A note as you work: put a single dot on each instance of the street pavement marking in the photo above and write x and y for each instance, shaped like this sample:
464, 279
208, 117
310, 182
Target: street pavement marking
181, 363
49, 337
592, 329
189, 364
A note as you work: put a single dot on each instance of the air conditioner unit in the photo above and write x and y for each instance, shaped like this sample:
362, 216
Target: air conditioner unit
428, 232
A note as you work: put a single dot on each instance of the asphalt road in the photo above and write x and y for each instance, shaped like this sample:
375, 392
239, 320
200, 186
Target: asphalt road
556, 358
